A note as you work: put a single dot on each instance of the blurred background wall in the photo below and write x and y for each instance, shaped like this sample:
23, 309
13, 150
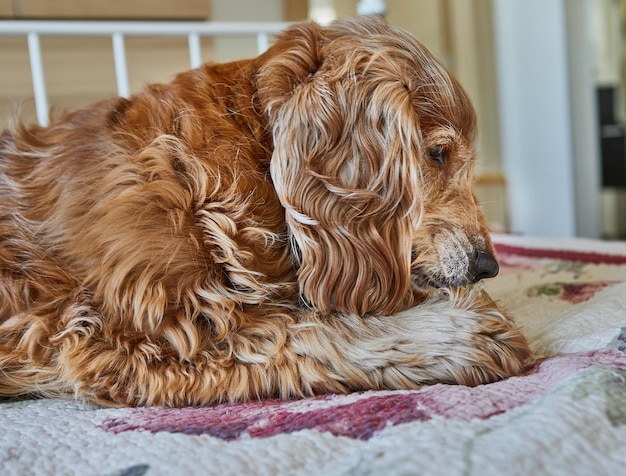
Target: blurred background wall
546, 78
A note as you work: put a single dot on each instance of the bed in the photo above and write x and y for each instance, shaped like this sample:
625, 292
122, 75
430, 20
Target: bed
565, 415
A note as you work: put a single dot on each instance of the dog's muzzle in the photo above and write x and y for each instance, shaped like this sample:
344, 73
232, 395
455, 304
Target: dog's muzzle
457, 269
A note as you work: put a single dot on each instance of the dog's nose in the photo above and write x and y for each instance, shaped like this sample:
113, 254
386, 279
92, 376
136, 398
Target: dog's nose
484, 266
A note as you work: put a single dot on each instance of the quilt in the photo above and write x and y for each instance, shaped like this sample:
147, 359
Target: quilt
565, 415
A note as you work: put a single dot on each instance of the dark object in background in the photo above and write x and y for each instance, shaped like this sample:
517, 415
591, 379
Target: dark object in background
612, 141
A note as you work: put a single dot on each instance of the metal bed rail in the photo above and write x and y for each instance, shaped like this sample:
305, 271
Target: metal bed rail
118, 30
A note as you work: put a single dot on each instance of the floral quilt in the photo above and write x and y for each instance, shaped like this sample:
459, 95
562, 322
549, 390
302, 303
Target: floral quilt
565, 415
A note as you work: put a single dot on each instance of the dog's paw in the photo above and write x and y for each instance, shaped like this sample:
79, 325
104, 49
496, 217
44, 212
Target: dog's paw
461, 337
496, 347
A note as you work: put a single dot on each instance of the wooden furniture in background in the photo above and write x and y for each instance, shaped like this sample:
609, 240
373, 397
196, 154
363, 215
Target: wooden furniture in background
110, 9
6, 8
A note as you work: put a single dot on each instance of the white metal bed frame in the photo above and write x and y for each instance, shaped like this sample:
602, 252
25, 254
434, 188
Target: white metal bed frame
118, 30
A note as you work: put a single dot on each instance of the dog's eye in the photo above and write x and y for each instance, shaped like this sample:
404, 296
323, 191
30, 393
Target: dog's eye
438, 154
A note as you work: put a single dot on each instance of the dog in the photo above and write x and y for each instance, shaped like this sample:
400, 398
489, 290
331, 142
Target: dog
295, 224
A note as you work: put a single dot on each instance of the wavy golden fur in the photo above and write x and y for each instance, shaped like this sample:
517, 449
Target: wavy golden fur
298, 223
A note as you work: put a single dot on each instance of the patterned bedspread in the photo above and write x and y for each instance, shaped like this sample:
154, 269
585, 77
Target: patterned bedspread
566, 415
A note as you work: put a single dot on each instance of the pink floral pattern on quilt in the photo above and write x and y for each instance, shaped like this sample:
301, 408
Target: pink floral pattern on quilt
362, 416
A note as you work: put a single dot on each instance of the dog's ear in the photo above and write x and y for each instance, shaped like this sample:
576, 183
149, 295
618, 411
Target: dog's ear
346, 169
292, 60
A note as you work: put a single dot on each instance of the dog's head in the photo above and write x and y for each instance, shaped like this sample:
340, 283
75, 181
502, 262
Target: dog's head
373, 162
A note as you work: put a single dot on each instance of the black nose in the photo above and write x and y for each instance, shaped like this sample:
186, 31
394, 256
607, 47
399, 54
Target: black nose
484, 266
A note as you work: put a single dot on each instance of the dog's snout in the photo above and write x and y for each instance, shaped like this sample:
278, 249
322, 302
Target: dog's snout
484, 266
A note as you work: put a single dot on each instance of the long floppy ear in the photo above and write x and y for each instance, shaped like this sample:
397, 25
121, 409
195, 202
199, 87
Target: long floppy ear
346, 169
290, 61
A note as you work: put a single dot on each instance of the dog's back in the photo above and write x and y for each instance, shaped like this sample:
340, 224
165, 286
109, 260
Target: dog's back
116, 215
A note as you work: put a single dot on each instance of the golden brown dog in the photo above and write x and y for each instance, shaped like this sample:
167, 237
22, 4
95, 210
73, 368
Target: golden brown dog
298, 223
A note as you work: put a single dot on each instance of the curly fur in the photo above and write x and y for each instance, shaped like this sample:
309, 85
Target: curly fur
281, 226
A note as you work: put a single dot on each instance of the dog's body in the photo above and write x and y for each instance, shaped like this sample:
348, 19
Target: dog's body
270, 227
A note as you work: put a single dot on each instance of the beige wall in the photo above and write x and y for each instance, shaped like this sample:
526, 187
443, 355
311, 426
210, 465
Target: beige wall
6, 8
227, 49
423, 18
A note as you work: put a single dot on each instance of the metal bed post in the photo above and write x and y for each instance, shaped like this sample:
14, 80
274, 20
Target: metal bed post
262, 42
195, 49
37, 75
121, 71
